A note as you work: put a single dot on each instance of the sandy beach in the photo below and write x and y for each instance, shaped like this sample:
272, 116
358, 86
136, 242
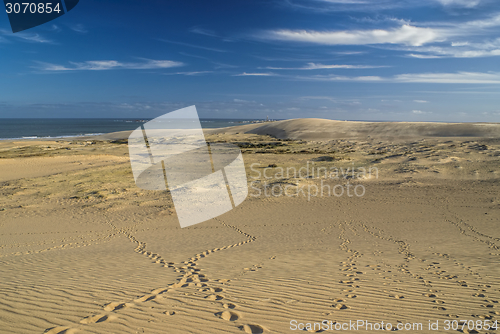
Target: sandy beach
413, 238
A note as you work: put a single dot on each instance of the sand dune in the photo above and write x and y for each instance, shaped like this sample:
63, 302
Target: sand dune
83, 250
323, 129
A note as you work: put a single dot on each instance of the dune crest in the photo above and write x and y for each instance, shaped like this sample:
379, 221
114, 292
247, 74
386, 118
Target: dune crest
325, 129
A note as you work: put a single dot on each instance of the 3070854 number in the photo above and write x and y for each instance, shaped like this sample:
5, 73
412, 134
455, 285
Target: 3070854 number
27, 7
470, 325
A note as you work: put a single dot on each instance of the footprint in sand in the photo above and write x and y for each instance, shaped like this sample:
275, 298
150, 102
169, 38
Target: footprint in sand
396, 296
485, 317
488, 305
252, 329
145, 298
229, 305
115, 306
340, 306
160, 291
228, 315
430, 295
437, 301
214, 297
97, 319
61, 330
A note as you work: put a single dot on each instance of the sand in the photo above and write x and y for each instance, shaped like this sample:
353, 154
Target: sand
83, 250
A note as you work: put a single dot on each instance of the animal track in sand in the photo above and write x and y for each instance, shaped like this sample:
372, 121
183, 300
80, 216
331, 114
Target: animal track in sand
229, 305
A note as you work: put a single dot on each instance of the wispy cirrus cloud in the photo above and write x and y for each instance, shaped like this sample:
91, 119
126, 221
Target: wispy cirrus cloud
346, 5
80, 28
460, 3
205, 32
406, 35
433, 78
26, 37
245, 74
103, 65
489, 48
189, 73
315, 66
192, 45
373, 5
421, 40
451, 78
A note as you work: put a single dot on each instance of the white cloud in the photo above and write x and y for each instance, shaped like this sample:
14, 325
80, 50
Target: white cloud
420, 112
460, 3
189, 73
435, 78
340, 78
349, 2
102, 65
192, 45
451, 78
462, 49
314, 66
202, 31
420, 101
26, 36
80, 28
421, 40
406, 34
414, 55
244, 74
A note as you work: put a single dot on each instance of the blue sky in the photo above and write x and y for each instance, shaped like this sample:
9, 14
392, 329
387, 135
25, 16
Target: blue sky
397, 60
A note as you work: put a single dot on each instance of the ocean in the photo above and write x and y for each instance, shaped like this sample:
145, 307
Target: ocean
23, 128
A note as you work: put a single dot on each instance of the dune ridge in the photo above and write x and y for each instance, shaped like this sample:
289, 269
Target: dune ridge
324, 129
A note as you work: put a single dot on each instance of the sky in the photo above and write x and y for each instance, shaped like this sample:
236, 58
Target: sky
374, 60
